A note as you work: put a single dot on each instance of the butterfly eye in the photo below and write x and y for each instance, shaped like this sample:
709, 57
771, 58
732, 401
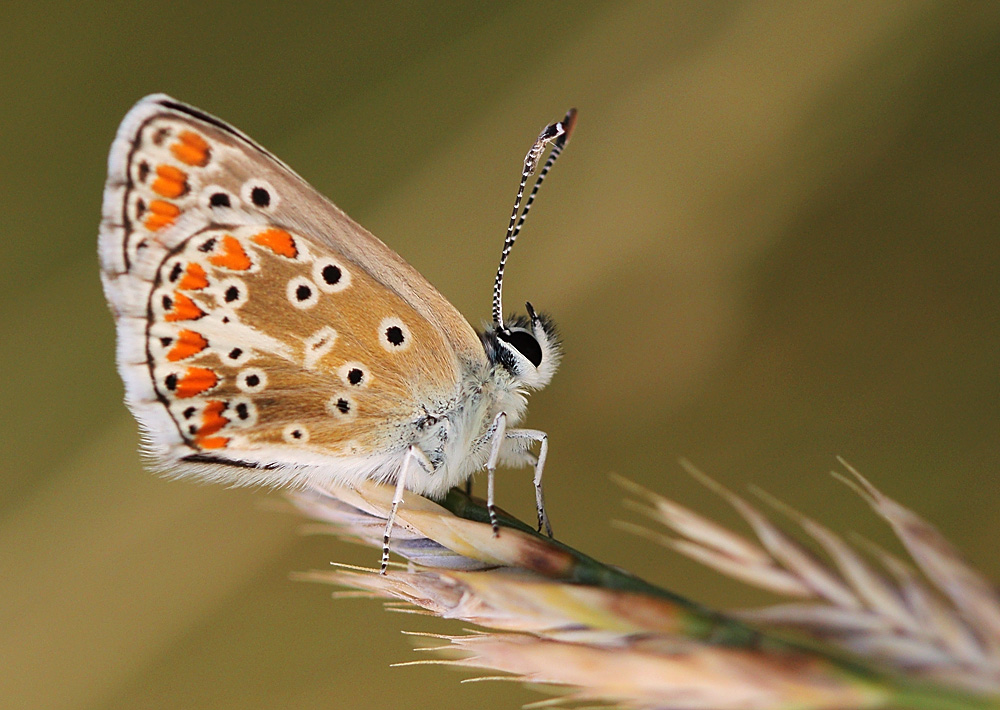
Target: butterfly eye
525, 343
259, 193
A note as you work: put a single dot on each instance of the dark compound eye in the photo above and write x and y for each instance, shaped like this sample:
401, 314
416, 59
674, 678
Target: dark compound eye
525, 343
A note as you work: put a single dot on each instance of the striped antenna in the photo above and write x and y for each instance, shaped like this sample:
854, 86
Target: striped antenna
557, 134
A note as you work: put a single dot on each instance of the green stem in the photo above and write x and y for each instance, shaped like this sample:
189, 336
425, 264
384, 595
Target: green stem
927, 697
702, 623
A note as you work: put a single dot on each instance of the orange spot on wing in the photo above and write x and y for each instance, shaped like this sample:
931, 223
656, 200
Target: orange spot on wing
211, 419
170, 172
233, 256
279, 241
170, 181
161, 214
212, 442
191, 149
183, 309
188, 343
194, 278
196, 380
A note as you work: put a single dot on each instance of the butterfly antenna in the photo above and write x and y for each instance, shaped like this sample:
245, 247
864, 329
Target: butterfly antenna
557, 134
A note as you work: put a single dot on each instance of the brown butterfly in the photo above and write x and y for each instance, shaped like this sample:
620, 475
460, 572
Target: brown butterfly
266, 338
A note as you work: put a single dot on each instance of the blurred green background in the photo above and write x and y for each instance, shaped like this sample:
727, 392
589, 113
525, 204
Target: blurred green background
773, 240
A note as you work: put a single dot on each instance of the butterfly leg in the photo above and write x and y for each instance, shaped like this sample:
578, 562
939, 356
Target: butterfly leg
499, 432
543, 449
412, 456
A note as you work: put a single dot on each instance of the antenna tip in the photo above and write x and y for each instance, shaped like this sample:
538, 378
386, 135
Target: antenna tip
569, 122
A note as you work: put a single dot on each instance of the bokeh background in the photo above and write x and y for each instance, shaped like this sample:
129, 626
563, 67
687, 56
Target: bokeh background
773, 240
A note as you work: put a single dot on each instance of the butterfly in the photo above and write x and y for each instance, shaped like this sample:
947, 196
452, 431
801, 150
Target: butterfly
264, 337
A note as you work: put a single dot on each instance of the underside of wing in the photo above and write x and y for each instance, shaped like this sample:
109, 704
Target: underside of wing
258, 341
256, 322
169, 158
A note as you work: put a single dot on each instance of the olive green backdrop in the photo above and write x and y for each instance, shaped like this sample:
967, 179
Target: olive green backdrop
774, 239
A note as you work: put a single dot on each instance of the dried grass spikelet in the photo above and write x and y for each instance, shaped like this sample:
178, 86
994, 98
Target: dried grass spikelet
940, 624
861, 637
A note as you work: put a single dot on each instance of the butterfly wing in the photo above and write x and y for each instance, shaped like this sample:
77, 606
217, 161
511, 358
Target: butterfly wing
259, 327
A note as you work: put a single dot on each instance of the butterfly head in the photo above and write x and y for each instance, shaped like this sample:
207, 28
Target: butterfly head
526, 348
